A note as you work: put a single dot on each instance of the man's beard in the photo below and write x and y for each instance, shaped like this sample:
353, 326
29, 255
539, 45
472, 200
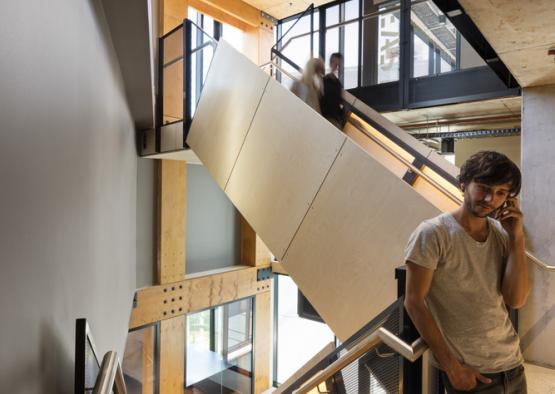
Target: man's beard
470, 207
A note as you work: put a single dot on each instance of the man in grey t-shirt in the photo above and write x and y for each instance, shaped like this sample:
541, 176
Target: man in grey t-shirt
463, 267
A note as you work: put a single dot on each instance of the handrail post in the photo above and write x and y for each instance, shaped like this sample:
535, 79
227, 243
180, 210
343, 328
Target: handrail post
411, 372
187, 78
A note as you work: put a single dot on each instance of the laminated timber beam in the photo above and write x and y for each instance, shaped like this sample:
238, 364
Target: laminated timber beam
170, 300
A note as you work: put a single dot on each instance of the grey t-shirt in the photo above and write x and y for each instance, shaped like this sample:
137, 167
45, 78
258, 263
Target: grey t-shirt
465, 295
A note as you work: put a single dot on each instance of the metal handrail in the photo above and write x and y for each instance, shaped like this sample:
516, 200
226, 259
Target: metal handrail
110, 378
411, 352
539, 263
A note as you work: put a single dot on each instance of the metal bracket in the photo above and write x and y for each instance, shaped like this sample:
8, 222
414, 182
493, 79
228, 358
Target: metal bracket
263, 274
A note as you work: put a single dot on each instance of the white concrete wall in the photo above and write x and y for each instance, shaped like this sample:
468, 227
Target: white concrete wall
68, 176
538, 201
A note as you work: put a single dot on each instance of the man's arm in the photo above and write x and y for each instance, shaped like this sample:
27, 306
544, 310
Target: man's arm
419, 280
515, 286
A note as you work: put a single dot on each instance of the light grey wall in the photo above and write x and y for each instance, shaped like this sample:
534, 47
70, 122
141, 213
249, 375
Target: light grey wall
213, 227
147, 180
68, 171
538, 203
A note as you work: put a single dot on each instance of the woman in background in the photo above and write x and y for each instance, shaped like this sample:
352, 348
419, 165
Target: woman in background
310, 87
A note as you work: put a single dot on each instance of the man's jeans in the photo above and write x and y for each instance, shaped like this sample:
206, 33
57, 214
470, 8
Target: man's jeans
508, 382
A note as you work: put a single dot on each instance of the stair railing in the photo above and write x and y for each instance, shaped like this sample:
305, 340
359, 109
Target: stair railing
411, 352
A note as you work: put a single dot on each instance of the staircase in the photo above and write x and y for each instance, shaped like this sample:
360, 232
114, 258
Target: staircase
332, 206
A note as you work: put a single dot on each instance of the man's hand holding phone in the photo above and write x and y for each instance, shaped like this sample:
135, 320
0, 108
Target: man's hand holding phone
510, 216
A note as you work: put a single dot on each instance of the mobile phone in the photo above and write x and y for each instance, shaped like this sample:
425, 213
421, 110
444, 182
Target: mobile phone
495, 214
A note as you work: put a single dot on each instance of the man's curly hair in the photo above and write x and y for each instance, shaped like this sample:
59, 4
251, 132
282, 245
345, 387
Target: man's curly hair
491, 168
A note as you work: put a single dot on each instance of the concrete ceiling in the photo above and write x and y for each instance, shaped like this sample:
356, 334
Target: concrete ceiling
521, 32
490, 114
280, 9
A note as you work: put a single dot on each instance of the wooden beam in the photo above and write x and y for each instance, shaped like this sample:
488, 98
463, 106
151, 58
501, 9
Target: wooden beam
171, 239
218, 14
172, 355
147, 361
253, 250
238, 9
166, 301
256, 254
262, 342
278, 268
171, 268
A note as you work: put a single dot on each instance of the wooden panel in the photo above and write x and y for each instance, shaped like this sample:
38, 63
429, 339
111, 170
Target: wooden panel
173, 92
229, 100
435, 196
171, 249
172, 13
454, 190
238, 9
284, 160
218, 14
172, 355
345, 252
173, 299
262, 342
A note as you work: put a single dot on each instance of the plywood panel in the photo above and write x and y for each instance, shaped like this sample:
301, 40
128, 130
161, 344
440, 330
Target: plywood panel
344, 254
229, 100
284, 160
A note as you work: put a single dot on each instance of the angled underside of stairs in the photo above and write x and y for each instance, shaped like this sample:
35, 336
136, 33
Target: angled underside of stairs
332, 208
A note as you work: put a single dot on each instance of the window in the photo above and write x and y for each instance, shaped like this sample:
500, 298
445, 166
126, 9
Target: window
380, 46
298, 339
219, 349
